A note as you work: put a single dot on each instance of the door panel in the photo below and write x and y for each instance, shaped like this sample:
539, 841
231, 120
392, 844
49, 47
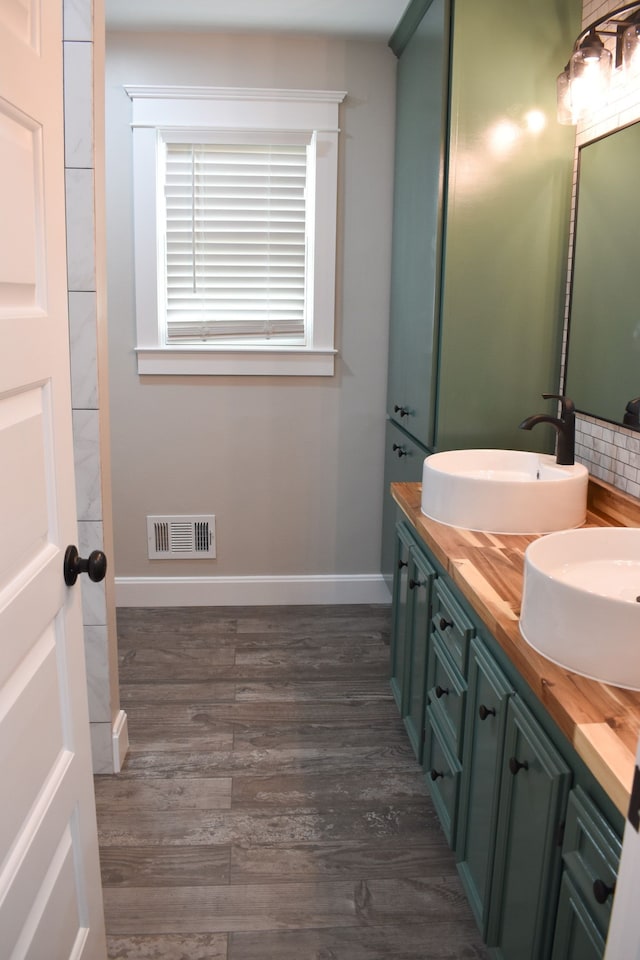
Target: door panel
50, 897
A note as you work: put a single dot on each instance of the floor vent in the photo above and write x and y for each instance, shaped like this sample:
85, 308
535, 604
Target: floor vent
176, 538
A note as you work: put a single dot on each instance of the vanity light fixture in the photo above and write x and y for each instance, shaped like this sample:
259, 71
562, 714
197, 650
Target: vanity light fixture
583, 85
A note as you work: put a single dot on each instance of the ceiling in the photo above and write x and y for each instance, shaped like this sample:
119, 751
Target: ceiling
363, 18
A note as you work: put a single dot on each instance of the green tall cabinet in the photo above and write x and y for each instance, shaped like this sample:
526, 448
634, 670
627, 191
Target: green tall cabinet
481, 216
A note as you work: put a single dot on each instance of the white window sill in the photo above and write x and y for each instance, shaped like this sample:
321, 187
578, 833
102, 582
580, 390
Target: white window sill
247, 362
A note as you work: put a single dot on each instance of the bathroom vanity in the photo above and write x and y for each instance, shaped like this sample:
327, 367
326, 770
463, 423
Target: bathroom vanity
530, 766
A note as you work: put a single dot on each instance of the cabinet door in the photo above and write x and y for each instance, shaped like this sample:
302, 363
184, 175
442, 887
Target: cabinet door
576, 937
487, 696
403, 460
533, 797
399, 630
421, 575
420, 125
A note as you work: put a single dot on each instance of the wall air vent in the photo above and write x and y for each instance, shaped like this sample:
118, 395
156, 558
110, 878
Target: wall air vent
181, 538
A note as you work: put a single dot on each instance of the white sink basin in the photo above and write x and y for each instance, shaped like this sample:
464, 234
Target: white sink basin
581, 602
503, 491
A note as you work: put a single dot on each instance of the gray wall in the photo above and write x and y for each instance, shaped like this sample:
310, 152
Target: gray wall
291, 467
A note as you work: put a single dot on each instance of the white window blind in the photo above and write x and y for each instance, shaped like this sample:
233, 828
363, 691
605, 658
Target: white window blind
235, 242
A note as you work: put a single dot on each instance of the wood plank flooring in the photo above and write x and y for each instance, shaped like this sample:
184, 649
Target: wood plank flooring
270, 807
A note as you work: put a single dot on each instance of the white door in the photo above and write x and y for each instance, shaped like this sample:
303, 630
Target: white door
50, 896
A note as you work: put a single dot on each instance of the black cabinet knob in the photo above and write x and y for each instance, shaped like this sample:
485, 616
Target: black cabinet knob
415, 583
515, 765
445, 623
434, 774
601, 891
399, 450
402, 563
484, 712
95, 565
403, 411
441, 692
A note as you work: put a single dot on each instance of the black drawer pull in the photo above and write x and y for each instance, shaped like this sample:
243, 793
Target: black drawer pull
402, 563
434, 774
441, 692
601, 891
403, 411
399, 450
415, 583
484, 712
515, 765
445, 623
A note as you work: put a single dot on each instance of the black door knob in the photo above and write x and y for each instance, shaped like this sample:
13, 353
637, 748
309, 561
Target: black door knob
95, 565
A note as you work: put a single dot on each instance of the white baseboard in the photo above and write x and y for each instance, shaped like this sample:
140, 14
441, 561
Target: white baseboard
120, 741
249, 591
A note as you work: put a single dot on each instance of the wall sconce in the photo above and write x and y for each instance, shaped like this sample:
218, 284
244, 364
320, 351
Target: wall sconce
583, 86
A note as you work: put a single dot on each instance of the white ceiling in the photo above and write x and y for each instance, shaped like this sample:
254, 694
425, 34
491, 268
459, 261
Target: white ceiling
364, 18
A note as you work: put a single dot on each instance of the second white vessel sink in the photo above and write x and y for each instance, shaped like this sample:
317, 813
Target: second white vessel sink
581, 602
503, 491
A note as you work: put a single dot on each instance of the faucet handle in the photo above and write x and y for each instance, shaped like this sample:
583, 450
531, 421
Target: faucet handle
568, 406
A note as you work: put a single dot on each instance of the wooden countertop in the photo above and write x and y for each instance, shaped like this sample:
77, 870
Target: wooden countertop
601, 721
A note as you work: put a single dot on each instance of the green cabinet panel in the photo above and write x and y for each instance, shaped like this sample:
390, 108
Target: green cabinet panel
590, 854
534, 784
420, 124
577, 937
403, 459
446, 694
399, 631
421, 575
488, 692
442, 774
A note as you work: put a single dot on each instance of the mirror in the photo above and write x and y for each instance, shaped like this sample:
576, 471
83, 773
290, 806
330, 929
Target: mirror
603, 359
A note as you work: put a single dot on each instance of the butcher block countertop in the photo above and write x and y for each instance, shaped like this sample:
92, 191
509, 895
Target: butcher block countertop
601, 721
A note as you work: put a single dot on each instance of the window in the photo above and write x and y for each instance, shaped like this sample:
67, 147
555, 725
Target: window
235, 197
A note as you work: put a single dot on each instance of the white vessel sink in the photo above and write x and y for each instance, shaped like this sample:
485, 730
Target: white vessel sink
581, 602
503, 491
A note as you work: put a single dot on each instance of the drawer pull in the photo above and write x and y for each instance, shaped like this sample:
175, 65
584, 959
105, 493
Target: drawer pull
515, 765
445, 623
484, 712
441, 692
400, 451
402, 563
601, 891
415, 583
434, 774
403, 411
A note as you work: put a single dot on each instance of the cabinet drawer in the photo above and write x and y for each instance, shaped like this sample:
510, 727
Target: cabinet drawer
443, 777
590, 853
576, 937
446, 694
452, 625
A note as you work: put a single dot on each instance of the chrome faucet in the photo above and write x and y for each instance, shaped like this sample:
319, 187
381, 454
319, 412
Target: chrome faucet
565, 426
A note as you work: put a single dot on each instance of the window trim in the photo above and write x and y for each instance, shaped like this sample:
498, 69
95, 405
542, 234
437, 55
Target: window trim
160, 110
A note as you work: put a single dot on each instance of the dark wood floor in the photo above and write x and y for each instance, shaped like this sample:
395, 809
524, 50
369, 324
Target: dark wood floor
270, 806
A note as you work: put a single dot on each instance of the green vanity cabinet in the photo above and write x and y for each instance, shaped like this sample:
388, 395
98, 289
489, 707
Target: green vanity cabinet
534, 784
536, 840
488, 693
